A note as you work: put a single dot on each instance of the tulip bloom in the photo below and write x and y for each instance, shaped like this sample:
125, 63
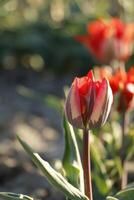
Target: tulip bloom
123, 82
109, 40
89, 102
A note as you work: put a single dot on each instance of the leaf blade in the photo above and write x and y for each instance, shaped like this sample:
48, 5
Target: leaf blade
55, 178
71, 159
14, 196
126, 194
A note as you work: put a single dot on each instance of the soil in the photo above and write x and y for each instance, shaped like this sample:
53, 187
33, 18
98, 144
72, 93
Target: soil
37, 123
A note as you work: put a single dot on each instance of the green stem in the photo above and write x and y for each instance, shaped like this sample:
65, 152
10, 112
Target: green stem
124, 132
87, 165
122, 152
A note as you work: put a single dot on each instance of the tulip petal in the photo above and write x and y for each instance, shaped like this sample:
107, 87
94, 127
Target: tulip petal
90, 75
91, 98
102, 105
73, 108
108, 105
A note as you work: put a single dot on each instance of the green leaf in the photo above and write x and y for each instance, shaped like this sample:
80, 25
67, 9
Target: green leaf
55, 178
126, 194
129, 145
100, 175
111, 198
71, 159
13, 196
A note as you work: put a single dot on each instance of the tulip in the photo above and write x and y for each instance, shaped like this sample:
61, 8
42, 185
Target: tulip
122, 82
109, 40
89, 102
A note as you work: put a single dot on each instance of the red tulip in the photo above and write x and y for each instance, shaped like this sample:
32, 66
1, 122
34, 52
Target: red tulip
109, 40
126, 100
89, 102
121, 82
118, 80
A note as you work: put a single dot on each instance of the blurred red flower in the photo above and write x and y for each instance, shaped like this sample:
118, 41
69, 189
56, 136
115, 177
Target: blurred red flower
121, 82
109, 40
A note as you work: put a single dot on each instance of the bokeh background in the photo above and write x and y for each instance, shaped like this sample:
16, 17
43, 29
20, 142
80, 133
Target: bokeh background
38, 57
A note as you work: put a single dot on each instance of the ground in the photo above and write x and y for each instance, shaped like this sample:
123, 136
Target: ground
35, 122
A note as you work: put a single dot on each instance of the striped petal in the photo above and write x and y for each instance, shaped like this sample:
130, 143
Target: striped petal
102, 105
108, 104
73, 107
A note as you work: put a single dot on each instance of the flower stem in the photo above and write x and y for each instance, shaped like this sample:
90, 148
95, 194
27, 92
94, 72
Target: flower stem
124, 132
86, 165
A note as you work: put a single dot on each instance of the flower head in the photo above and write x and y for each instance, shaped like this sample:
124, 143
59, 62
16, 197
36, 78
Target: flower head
89, 102
122, 82
109, 40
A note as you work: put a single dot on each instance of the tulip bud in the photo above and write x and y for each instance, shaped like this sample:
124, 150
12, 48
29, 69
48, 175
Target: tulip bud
89, 102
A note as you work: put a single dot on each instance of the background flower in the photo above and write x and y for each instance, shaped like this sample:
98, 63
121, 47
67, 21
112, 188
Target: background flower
121, 83
109, 40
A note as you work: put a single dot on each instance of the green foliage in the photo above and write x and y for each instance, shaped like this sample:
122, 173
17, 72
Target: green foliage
126, 194
100, 175
111, 198
71, 160
13, 196
55, 178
